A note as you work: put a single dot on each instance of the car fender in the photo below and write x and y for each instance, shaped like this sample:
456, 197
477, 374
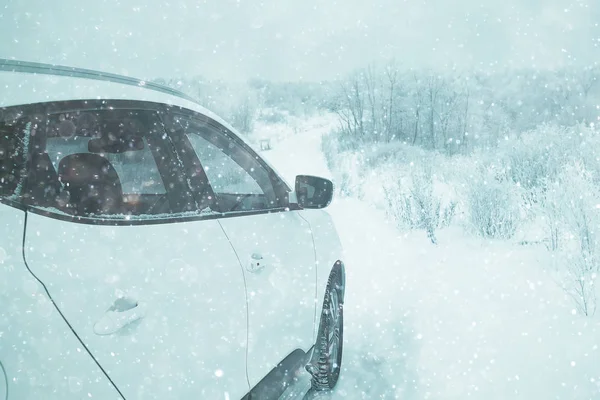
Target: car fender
328, 251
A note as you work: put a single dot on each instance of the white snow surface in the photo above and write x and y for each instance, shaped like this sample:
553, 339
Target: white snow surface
468, 318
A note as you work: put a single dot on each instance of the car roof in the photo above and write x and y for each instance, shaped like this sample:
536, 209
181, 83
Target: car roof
23, 82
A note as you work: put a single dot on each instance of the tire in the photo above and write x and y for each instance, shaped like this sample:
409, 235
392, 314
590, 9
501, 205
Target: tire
326, 362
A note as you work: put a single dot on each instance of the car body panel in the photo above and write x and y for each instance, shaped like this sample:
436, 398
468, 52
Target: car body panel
280, 290
40, 355
328, 251
186, 277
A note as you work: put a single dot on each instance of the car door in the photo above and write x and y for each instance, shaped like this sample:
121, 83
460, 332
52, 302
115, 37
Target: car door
149, 284
274, 245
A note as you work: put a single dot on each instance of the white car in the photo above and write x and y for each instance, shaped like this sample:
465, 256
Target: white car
147, 252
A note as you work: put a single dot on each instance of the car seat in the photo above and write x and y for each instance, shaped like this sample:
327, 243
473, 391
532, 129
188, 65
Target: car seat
93, 184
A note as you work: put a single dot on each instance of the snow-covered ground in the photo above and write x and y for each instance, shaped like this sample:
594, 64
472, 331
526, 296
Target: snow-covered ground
465, 319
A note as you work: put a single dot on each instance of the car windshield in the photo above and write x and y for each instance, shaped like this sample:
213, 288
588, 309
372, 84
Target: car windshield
462, 139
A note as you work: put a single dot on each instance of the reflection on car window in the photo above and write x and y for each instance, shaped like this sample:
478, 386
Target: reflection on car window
223, 173
239, 181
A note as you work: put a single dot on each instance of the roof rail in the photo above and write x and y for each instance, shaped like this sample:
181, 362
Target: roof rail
60, 70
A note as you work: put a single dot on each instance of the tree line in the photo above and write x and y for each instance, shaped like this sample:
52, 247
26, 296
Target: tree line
456, 111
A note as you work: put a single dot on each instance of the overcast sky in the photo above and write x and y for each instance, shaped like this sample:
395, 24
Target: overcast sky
296, 39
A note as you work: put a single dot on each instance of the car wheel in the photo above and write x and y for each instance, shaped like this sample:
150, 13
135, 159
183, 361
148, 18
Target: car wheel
325, 369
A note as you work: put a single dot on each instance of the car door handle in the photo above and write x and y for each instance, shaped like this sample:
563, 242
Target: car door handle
123, 312
256, 263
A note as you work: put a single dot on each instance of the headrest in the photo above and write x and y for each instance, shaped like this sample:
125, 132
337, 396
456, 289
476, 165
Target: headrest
86, 168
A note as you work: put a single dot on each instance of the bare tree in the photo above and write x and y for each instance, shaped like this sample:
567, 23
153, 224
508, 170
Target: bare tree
418, 94
463, 123
350, 108
244, 115
392, 75
446, 110
370, 82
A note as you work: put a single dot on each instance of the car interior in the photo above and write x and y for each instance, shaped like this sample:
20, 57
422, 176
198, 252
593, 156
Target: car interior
88, 164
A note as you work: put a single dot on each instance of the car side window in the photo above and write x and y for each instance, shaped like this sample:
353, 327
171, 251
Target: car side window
107, 163
239, 181
224, 174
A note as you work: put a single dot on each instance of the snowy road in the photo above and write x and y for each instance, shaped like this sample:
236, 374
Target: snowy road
464, 319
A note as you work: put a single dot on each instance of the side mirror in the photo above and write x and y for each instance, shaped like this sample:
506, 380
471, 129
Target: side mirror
313, 192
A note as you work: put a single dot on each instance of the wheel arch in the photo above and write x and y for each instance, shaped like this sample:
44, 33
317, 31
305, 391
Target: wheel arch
339, 265
322, 288
320, 364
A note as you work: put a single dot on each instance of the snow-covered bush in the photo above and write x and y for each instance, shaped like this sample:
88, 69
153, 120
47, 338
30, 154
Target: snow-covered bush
538, 156
243, 115
495, 201
579, 279
569, 207
329, 147
492, 203
528, 164
346, 164
580, 206
571, 204
550, 209
350, 167
273, 116
426, 205
413, 204
394, 154
587, 145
